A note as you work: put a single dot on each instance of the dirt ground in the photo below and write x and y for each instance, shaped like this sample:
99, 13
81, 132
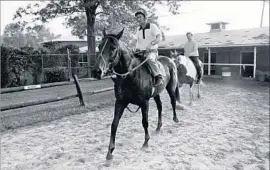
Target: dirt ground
226, 129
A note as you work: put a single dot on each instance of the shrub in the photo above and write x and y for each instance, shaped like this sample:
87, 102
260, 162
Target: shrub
13, 65
260, 75
56, 74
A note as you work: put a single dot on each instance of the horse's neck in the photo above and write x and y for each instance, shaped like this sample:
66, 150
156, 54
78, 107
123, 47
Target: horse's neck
125, 59
137, 76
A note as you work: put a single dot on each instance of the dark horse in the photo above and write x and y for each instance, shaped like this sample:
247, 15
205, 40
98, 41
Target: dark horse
136, 86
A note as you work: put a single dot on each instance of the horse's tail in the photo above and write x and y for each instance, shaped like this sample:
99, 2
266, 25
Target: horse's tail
177, 94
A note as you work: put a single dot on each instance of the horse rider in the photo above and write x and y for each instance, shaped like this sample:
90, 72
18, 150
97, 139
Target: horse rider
191, 51
147, 38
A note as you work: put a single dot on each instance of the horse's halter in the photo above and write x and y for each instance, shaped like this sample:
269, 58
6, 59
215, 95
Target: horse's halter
115, 54
117, 58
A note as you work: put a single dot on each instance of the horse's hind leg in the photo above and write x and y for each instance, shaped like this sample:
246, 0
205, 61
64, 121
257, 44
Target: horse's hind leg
191, 94
118, 112
159, 107
199, 88
173, 102
144, 109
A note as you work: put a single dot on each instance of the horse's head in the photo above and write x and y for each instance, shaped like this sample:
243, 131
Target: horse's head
177, 57
109, 54
173, 55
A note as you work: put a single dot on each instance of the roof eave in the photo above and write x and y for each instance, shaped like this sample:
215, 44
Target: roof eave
213, 46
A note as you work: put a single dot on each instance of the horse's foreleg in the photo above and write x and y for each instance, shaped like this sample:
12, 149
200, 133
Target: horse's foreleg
173, 103
159, 107
144, 109
118, 112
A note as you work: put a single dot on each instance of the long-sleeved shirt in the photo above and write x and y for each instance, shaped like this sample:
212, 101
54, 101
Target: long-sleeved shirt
191, 48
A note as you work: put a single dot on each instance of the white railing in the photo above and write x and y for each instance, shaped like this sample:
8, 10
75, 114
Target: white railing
230, 64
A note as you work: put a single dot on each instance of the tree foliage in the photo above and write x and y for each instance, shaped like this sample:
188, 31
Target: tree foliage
20, 34
89, 17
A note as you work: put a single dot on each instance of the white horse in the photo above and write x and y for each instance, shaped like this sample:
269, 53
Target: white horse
186, 72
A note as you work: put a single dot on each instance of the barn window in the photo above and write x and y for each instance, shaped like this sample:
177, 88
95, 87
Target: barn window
215, 26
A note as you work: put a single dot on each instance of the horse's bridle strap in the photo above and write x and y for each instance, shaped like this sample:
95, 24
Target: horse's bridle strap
123, 75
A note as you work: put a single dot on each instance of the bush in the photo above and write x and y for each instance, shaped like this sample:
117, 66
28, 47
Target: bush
262, 75
15, 62
13, 65
56, 74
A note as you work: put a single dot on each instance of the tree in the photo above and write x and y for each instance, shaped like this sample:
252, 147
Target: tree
20, 35
38, 33
13, 34
113, 12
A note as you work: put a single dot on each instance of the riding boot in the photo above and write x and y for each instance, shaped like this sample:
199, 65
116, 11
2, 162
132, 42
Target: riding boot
199, 74
152, 63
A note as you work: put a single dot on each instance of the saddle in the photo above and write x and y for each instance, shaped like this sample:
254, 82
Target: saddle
141, 55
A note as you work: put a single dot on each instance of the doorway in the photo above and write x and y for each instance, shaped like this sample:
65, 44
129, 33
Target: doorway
247, 58
213, 60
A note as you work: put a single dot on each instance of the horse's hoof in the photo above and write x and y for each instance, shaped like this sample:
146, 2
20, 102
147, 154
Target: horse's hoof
175, 120
158, 127
145, 145
109, 156
199, 96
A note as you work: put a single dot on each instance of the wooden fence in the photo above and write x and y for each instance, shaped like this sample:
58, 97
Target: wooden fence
76, 82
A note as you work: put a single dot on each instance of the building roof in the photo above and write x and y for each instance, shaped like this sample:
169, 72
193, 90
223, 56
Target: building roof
217, 22
65, 39
224, 38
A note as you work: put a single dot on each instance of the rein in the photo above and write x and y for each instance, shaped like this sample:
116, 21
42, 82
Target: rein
123, 75
133, 111
116, 60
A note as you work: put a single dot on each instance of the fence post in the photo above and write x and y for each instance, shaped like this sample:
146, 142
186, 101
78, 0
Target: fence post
79, 91
69, 65
42, 69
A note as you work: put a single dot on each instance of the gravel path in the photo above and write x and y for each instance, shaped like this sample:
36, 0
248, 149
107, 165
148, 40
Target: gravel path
228, 128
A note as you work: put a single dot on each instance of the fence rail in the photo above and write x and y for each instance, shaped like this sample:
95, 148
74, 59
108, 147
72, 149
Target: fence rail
79, 94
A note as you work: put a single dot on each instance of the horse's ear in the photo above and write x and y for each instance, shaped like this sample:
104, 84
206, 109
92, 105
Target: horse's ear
119, 35
171, 53
104, 32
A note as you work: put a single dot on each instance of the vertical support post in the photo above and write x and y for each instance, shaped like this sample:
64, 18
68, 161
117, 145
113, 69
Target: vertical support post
255, 62
79, 91
42, 69
240, 71
262, 13
209, 61
69, 65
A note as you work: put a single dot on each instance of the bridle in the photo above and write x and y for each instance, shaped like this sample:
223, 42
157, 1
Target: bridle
116, 60
116, 57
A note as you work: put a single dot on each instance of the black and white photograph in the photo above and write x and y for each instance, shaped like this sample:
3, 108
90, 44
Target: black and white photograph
134, 85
